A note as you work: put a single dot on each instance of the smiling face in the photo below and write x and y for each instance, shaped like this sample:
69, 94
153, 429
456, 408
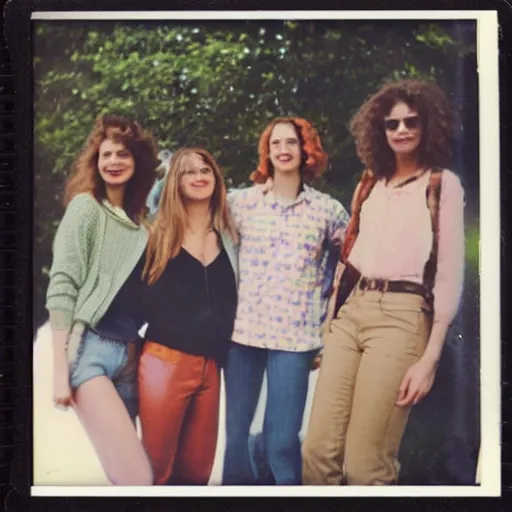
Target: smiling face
116, 164
403, 130
197, 178
284, 149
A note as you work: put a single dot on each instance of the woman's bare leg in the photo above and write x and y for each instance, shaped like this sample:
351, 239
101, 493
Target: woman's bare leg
112, 433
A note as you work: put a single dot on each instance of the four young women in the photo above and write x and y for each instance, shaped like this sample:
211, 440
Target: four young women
247, 294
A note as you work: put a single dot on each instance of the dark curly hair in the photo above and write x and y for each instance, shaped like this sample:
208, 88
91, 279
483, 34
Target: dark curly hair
140, 143
314, 159
367, 125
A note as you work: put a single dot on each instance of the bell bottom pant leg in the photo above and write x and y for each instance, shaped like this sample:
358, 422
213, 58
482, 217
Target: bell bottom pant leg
178, 410
288, 379
243, 376
196, 448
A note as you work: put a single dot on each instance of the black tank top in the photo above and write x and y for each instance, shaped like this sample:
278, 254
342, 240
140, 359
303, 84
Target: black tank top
192, 307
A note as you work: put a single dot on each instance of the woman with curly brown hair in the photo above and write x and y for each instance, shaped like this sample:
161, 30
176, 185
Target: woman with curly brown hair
94, 278
283, 238
384, 345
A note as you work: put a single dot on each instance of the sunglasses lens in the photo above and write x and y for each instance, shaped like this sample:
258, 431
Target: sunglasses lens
391, 124
412, 122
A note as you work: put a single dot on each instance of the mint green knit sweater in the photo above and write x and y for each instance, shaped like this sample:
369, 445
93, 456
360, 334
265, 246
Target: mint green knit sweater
95, 249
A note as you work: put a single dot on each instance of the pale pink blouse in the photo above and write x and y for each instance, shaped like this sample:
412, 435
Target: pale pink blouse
395, 238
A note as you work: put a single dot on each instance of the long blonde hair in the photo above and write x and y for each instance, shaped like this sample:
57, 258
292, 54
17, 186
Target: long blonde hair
168, 230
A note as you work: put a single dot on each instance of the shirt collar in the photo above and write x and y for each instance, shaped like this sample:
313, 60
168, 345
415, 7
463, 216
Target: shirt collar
305, 194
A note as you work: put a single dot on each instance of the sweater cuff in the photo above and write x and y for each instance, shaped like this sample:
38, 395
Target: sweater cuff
61, 319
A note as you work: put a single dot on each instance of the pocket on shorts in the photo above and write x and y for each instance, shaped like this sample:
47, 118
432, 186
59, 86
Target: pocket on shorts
79, 369
77, 338
128, 367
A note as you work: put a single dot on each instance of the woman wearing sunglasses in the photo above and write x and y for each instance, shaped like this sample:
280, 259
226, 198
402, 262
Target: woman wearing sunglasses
189, 305
382, 353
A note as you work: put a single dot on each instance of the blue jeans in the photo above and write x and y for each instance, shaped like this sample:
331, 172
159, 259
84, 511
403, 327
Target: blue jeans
117, 360
287, 380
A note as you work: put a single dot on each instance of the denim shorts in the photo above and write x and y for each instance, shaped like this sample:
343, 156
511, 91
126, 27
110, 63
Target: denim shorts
117, 360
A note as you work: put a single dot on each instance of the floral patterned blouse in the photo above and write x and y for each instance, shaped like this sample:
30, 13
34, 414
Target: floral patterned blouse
282, 261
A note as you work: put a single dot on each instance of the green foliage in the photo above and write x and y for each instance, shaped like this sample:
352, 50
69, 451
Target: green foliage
473, 247
216, 85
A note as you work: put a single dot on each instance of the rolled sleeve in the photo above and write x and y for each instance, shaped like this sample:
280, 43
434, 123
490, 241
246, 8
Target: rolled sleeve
337, 224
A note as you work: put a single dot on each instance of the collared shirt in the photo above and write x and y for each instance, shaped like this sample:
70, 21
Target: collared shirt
282, 259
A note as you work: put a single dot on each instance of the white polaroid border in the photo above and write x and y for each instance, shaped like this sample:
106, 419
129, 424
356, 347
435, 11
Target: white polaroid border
490, 333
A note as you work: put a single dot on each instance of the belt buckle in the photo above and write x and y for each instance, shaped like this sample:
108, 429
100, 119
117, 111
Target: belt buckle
369, 285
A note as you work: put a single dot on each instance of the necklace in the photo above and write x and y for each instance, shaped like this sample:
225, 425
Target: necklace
399, 183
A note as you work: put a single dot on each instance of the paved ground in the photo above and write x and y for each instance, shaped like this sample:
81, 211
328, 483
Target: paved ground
63, 454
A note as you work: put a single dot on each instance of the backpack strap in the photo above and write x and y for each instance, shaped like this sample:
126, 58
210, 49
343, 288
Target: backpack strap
433, 201
346, 275
365, 186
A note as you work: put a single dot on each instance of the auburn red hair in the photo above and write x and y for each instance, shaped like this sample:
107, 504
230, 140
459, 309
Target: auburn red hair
314, 159
139, 142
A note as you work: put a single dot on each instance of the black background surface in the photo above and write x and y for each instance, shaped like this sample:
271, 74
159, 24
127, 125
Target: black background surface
16, 270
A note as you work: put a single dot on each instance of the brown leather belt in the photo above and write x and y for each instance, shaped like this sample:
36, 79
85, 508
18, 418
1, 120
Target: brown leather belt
383, 285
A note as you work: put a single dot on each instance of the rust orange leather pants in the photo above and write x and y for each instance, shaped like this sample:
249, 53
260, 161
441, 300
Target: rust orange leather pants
179, 413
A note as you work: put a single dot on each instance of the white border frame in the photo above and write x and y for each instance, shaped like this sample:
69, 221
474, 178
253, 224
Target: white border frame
489, 248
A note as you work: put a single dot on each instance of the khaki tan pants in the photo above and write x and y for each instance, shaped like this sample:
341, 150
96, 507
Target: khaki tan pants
355, 427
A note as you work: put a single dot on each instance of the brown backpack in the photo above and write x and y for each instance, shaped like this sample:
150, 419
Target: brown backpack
347, 275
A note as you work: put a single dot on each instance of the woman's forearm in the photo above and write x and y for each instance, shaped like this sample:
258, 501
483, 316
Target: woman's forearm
59, 338
435, 342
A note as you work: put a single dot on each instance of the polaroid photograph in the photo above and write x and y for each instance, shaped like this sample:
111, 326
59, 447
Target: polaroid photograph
266, 253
